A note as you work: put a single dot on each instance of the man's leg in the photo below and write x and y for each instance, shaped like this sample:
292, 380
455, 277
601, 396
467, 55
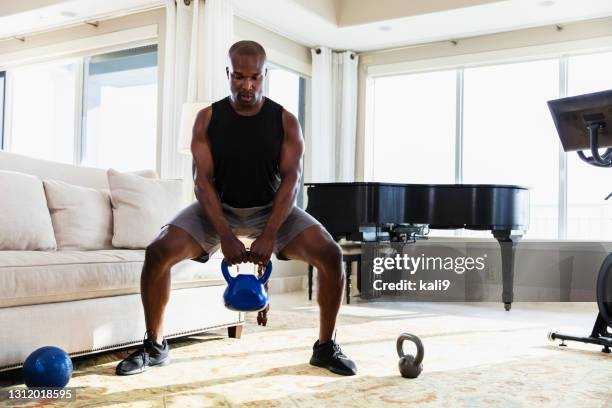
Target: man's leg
316, 247
172, 246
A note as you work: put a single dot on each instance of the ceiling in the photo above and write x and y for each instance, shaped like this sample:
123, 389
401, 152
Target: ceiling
19, 18
358, 25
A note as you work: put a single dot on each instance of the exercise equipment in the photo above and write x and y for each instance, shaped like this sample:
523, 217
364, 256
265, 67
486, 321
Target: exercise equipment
47, 367
575, 117
245, 292
600, 334
409, 365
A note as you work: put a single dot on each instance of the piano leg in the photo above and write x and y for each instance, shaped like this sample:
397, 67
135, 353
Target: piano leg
310, 282
349, 272
358, 272
507, 243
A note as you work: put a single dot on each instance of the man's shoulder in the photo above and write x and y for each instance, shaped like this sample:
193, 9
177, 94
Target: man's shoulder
286, 115
225, 99
203, 119
273, 104
205, 113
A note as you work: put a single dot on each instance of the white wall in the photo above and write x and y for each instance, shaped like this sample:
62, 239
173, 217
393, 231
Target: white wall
280, 50
13, 7
83, 31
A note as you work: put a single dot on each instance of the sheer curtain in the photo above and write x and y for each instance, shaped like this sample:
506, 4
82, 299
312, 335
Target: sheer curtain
197, 39
322, 143
345, 103
334, 116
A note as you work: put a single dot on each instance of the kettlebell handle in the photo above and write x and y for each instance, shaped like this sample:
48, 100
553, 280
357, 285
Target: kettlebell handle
225, 271
419, 345
229, 278
266, 275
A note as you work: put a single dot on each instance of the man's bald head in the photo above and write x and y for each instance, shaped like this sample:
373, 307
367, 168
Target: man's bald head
247, 48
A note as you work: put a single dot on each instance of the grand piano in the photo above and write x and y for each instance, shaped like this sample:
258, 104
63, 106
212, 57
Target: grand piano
370, 211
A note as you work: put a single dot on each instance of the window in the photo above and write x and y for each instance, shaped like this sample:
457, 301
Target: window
284, 87
43, 111
2, 97
505, 135
414, 128
288, 89
120, 110
508, 133
588, 215
98, 111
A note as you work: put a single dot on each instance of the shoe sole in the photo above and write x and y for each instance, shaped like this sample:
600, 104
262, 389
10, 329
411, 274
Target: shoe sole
333, 369
143, 369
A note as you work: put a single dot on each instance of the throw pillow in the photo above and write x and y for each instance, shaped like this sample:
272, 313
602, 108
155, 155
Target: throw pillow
141, 207
25, 223
82, 217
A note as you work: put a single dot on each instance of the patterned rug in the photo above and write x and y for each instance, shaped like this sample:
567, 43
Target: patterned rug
473, 359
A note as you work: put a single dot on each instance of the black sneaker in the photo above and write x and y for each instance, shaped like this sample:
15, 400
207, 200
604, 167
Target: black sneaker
148, 355
328, 355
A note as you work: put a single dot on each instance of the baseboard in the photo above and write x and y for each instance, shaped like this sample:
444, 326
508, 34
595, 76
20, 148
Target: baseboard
287, 284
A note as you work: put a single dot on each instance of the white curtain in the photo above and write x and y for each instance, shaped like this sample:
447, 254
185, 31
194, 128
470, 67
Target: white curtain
197, 39
176, 66
322, 143
219, 38
334, 115
345, 105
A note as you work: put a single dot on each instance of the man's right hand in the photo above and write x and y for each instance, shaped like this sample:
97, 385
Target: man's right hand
233, 250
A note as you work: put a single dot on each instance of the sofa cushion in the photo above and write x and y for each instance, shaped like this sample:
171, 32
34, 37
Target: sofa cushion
82, 217
33, 277
25, 223
141, 207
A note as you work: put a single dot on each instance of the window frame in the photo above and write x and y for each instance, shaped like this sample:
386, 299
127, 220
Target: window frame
301, 114
2, 107
81, 95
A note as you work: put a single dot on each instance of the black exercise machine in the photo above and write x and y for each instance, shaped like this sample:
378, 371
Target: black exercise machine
585, 122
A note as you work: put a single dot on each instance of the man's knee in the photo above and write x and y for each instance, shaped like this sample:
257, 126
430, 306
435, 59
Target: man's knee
171, 247
329, 257
161, 255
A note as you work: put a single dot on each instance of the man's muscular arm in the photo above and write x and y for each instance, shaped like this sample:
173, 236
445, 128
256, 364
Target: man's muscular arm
290, 166
203, 169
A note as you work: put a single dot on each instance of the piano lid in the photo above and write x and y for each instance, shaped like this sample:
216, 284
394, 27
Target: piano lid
449, 185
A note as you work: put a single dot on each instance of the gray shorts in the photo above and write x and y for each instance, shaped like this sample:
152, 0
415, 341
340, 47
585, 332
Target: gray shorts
244, 222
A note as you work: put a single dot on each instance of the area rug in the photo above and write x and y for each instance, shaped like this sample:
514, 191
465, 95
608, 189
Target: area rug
472, 360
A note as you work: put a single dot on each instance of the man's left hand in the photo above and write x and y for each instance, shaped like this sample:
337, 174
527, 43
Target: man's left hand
261, 249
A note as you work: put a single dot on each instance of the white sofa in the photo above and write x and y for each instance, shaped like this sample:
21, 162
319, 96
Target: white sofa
89, 301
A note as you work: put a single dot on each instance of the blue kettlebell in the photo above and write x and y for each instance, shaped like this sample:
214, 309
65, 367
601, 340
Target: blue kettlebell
245, 292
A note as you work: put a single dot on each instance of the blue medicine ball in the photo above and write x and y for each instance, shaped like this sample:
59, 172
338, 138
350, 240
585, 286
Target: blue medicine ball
47, 367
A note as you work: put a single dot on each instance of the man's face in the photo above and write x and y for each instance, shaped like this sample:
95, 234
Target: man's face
246, 75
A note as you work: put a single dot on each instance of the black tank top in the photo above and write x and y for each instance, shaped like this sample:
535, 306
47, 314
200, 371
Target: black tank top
246, 151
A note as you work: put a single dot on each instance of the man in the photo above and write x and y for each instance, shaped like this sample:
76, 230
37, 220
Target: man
247, 161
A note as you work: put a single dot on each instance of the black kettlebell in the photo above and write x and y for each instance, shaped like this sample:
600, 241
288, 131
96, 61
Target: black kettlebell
410, 366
